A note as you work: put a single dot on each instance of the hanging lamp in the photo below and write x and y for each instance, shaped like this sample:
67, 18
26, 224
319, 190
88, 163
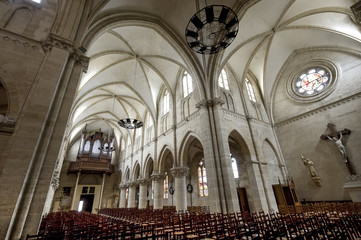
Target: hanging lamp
212, 29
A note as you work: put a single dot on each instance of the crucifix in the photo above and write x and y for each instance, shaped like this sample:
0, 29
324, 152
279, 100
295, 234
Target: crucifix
336, 137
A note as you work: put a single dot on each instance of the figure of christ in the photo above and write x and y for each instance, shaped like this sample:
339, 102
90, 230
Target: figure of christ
340, 146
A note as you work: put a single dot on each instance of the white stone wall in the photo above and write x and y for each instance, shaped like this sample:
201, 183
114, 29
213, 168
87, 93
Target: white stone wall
300, 125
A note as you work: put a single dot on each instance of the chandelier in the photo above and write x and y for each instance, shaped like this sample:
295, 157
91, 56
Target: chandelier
212, 29
131, 123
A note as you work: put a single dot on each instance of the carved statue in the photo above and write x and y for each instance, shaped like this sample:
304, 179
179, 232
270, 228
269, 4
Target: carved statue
309, 164
340, 146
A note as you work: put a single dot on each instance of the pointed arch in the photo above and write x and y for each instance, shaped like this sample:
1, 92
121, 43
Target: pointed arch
191, 140
136, 171
127, 175
166, 158
238, 146
268, 151
148, 167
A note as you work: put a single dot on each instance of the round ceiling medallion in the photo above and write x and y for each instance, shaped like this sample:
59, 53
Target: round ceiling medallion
212, 29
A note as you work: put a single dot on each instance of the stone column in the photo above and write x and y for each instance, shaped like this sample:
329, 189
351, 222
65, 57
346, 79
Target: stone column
180, 191
131, 194
73, 207
158, 190
123, 200
101, 192
143, 187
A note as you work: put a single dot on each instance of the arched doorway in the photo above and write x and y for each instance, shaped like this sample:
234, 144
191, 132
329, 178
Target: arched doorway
239, 155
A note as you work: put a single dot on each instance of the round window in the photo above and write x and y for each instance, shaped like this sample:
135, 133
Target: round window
315, 81
312, 81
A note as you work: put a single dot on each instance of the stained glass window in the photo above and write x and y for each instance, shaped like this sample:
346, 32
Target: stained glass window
166, 102
187, 84
126, 193
223, 80
250, 91
165, 194
202, 179
312, 81
234, 167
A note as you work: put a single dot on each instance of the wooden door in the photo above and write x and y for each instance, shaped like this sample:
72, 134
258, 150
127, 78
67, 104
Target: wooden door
243, 200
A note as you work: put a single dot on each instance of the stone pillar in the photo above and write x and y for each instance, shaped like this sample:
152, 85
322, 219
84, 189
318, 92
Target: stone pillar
158, 190
101, 192
143, 185
131, 194
180, 191
123, 200
73, 206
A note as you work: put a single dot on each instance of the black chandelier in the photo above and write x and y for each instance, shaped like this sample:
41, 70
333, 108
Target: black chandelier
130, 123
212, 29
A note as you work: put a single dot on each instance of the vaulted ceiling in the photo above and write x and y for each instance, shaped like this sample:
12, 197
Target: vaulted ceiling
143, 51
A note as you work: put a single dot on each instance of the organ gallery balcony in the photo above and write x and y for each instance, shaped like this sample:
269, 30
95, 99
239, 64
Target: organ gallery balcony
92, 167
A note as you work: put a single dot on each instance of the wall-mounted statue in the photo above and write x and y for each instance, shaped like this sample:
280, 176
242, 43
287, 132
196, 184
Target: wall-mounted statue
309, 164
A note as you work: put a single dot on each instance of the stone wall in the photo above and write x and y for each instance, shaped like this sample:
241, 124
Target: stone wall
299, 127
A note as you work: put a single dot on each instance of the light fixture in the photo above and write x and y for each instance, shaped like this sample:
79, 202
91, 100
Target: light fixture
212, 29
131, 123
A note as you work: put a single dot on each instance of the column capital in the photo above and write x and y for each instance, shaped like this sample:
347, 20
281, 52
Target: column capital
124, 185
144, 181
58, 41
133, 184
157, 176
179, 171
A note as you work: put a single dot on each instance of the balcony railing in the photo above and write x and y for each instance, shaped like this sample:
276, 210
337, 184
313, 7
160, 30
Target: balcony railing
91, 167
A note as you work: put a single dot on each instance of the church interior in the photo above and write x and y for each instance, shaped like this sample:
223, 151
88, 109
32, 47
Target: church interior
192, 119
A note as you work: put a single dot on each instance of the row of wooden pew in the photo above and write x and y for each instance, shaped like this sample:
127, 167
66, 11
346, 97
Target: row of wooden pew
168, 224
